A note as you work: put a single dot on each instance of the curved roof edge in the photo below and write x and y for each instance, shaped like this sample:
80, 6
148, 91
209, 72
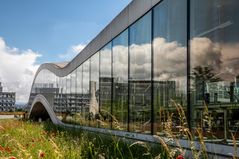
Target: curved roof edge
41, 99
123, 20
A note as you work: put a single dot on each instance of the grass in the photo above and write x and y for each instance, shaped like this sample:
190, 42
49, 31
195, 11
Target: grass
26, 140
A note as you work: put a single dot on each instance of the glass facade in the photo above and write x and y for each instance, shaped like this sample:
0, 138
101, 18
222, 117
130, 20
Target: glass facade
140, 75
94, 90
85, 92
79, 96
144, 74
120, 81
215, 67
169, 60
105, 86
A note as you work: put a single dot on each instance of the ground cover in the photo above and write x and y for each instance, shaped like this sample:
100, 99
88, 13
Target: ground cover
32, 140
25, 140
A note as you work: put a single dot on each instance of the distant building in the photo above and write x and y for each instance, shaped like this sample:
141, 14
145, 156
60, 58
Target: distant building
7, 100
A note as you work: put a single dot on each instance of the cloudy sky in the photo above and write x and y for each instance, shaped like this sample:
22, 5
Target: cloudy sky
34, 32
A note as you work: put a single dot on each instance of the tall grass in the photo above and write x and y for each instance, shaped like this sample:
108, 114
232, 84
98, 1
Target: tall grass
44, 140
25, 140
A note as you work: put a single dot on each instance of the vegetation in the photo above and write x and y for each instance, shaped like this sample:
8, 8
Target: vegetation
25, 140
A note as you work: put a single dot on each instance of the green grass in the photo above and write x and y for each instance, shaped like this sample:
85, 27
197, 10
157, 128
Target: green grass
25, 140
30, 140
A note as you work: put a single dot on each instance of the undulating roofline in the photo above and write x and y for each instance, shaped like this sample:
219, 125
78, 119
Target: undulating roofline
123, 20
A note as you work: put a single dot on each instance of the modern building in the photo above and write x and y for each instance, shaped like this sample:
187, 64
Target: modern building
154, 56
7, 100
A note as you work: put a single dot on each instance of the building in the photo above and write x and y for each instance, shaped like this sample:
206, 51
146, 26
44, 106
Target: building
7, 100
154, 55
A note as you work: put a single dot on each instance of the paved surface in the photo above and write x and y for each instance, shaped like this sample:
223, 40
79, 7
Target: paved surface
6, 116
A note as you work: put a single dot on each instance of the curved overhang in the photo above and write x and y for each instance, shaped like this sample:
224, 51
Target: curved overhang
130, 14
41, 108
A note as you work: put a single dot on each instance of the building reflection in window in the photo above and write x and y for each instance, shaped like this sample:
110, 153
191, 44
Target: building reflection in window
120, 81
140, 75
105, 86
94, 90
169, 62
215, 67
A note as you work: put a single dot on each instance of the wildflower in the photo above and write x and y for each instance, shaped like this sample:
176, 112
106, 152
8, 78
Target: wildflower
180, 157
12, 157
1, 148
41, 154
8, 149
44, 132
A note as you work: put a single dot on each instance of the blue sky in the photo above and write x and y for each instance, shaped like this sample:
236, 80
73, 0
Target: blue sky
33, 32
52, 27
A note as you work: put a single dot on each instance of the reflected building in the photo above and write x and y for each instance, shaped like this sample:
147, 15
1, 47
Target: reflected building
149, 62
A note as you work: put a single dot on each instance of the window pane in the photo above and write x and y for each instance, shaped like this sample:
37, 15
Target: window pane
68, 115
64, 96
169, 62
105, 86
94, 90
73, 96
79, 118
58, 101
120, 81
140, 75
215, 67
86, 92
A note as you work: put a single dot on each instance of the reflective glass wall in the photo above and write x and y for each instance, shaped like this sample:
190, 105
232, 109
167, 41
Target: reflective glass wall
120, 81
138, 81
85, 92
140, 75
215, 67
94, 90
105, 86
169, 61
79, 97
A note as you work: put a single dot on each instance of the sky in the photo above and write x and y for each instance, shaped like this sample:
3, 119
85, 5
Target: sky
33, 32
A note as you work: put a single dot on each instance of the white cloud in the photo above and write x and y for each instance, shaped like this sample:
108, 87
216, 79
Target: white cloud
206, 53
72, 52
17, 70
169, 59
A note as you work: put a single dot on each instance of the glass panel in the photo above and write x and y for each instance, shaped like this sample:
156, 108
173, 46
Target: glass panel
57, 104
94, 90
79, 119
105, 86
215, 67
60, 99
65, 98
73, 96
170, 61
56, 86
120, 81
86, 93
140, 75
68, 118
